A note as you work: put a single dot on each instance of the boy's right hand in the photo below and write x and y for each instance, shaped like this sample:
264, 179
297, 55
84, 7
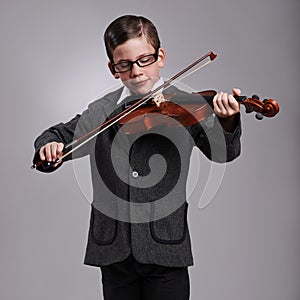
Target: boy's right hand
51, 152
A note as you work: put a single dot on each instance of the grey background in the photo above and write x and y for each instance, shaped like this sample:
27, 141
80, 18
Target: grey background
246, 242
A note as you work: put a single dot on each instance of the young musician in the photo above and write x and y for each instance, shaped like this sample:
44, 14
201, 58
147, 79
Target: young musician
140, 257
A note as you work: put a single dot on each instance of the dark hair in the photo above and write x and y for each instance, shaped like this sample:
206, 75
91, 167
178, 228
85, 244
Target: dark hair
127, 27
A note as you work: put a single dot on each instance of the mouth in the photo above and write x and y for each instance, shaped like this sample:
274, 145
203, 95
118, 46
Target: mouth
139, 83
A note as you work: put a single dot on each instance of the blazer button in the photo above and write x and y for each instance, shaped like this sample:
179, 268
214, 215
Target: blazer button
135, 174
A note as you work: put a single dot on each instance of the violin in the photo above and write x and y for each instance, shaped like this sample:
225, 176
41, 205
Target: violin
188, 109
176, 110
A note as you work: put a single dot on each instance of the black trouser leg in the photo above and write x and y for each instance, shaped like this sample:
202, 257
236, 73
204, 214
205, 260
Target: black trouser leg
131, 280
120, 281
167, 284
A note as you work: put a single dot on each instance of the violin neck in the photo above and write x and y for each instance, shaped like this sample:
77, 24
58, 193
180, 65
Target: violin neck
209, 95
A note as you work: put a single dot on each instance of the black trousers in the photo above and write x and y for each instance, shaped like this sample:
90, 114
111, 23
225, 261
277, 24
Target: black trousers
131, 280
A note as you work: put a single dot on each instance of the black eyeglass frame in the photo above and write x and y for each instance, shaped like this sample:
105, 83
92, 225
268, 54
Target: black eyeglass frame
131, 63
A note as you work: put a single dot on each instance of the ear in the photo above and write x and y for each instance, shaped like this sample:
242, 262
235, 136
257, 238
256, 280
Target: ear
161, 57
116, 75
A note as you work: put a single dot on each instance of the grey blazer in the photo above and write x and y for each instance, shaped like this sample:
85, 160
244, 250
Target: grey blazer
133, 211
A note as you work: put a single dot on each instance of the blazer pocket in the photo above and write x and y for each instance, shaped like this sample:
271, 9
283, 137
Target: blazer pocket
171, 229
103, 228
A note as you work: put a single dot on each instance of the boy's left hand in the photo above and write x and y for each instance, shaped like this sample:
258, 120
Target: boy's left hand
225, 105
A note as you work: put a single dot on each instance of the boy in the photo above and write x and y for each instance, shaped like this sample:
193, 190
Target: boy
142, 256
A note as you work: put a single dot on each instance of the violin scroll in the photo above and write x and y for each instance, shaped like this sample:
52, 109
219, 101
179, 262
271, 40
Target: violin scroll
265, 108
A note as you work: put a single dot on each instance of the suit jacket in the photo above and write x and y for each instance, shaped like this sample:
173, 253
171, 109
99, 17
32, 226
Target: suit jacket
139, 203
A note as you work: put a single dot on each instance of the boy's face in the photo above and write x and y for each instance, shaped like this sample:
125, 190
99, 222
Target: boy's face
139, 80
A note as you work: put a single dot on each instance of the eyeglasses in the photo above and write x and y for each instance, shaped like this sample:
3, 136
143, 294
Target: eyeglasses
143, 61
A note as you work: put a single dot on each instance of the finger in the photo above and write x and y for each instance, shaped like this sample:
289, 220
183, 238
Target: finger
48, 152
54, 151
224, 102
227, 105
42, 153
59, 151
224, 105
60, 148
216, 102
236, 91
234, 105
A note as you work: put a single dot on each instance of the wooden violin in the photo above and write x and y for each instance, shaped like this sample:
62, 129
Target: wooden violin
187, 110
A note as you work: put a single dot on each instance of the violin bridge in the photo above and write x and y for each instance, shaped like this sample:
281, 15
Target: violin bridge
159, 99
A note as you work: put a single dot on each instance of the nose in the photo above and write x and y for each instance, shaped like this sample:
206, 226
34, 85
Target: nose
136, 70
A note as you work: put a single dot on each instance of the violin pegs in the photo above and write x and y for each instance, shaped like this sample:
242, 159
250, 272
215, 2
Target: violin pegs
259, 116
265, 100
255, 97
